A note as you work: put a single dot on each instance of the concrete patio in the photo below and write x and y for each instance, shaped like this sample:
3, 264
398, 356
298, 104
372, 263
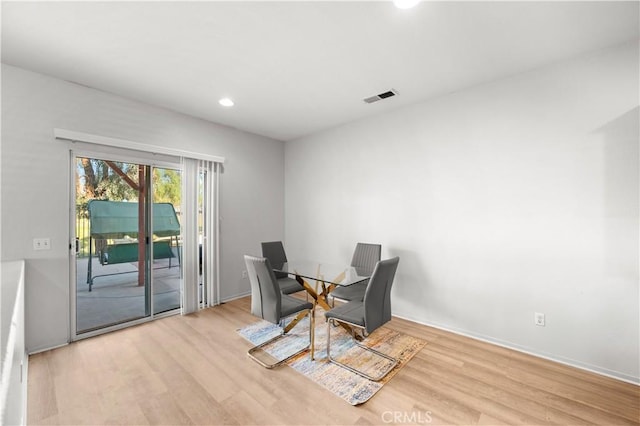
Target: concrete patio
116, 297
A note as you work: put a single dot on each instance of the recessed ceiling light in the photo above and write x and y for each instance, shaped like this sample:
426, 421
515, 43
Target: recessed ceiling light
405, 4
226, 102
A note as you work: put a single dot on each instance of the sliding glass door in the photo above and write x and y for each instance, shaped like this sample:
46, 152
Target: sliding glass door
167, 241
128, 259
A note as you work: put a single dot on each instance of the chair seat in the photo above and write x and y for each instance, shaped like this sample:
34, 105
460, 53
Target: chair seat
350, 292
289, 285
352, 312
291, 305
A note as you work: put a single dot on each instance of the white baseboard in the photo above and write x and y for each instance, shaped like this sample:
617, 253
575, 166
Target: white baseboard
37, 351
530, 351
235, 297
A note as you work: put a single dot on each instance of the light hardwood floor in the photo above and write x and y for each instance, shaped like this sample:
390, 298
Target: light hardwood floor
194, 370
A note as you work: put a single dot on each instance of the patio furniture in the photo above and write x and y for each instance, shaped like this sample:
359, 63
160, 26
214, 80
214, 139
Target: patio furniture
110, 221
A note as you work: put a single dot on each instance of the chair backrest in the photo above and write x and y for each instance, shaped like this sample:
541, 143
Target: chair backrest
377, 297
274, 251
266, 299
366, 255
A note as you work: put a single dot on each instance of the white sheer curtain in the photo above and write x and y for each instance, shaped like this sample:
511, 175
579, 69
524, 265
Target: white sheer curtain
200, 236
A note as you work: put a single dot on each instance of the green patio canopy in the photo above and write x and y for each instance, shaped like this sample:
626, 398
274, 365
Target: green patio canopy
119, 219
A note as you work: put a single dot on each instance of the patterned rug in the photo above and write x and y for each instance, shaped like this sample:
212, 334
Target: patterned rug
349, 386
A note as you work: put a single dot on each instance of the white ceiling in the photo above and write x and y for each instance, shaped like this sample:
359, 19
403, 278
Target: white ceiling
295, 68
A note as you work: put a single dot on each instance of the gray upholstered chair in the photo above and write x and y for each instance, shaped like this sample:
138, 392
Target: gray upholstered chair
365, 256
368, 314
274, 251
268, 303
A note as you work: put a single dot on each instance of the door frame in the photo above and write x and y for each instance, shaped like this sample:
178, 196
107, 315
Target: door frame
119, 155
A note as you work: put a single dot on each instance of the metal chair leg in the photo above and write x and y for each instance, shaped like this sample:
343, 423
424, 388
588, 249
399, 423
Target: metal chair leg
257, 348
392, 365
312, 332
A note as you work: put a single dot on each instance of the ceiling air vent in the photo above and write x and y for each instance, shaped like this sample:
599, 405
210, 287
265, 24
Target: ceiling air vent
380, 96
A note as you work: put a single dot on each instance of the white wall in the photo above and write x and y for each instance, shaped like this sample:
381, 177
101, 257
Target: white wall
502, 200
35, 184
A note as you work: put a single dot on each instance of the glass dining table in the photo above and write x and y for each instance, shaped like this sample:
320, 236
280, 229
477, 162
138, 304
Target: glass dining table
325, 276
319, 280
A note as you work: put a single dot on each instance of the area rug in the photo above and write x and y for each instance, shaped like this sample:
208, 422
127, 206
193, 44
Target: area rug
349, 386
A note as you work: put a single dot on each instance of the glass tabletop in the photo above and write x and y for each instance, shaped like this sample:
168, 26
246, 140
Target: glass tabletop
328, 273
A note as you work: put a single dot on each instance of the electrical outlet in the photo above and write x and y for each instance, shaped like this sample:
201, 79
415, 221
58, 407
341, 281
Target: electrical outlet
244, 274
539, 319
42, 244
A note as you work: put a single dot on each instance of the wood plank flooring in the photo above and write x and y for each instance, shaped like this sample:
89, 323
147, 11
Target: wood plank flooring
194, 370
